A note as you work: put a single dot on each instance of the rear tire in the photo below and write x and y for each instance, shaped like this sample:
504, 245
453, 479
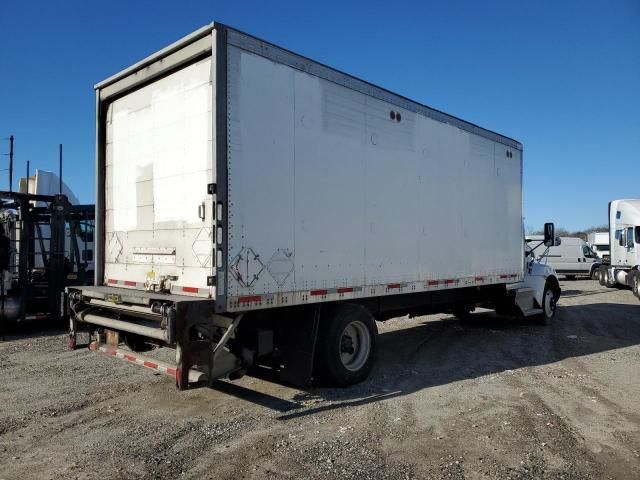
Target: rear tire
635, 283
594, 273
608, 281
347, 345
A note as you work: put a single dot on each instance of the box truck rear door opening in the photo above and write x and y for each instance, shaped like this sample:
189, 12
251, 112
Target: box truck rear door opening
158, 213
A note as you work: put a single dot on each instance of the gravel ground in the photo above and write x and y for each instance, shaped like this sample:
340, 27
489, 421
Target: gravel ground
490, 400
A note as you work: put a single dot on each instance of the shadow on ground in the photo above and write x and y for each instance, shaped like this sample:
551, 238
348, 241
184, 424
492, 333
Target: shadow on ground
444, 351
30, 329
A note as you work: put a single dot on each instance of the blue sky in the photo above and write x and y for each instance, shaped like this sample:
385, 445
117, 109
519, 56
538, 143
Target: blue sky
561, 77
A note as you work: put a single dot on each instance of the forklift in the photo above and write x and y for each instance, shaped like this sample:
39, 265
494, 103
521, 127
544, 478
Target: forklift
45, 244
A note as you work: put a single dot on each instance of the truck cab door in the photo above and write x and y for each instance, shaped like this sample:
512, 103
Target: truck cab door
630, 253
636, 257
589, 257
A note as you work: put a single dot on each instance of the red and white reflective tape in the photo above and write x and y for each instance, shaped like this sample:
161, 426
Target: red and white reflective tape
250, 299
510, 275
321, 292
125, 283
190, 290
131, 357
337, 293
37, 316
177, 289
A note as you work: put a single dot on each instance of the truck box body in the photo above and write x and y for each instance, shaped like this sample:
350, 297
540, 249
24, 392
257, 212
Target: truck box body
599, 241
235, 170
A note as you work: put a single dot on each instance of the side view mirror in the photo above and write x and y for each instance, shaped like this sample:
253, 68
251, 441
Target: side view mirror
549, 234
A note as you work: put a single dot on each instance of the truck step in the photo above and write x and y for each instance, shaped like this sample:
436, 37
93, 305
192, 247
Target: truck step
195, 376
524, 300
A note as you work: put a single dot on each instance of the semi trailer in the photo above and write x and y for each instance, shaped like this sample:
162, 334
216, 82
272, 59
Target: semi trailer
623, 267
258, 209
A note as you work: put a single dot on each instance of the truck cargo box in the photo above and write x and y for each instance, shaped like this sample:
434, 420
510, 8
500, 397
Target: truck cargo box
232, 169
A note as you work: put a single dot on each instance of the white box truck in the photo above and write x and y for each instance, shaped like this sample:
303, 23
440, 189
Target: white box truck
599, 242
256, 208
623, 269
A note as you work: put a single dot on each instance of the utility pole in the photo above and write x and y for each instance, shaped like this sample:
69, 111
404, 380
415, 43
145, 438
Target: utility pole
60, 191
11, 163
27, 176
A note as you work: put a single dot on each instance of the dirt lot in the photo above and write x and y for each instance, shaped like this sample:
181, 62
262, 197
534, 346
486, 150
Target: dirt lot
490, 400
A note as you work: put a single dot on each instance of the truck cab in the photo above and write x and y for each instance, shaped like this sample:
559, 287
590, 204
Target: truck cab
624, 232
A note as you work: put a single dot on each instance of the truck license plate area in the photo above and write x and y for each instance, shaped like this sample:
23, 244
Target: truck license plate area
113, 298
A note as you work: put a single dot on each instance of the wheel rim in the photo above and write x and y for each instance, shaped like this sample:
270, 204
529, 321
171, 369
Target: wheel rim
549, 304
355, 345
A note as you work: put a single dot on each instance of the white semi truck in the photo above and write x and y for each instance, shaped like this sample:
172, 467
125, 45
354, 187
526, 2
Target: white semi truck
624, 235
256, 208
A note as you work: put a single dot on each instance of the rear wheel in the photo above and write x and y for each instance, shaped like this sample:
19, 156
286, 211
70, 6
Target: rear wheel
594, 273
635, 283
609, 279
601, 276
347, 345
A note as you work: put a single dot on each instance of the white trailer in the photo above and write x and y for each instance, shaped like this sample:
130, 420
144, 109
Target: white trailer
255, 207
599, 242
624, 236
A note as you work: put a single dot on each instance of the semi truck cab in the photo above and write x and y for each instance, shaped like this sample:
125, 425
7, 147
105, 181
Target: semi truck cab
624, 233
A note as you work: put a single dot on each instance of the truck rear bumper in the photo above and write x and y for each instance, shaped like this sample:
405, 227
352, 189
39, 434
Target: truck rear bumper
195, 376
185, 323
147, 314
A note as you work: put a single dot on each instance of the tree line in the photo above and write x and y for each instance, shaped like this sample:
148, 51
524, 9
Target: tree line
563, 232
